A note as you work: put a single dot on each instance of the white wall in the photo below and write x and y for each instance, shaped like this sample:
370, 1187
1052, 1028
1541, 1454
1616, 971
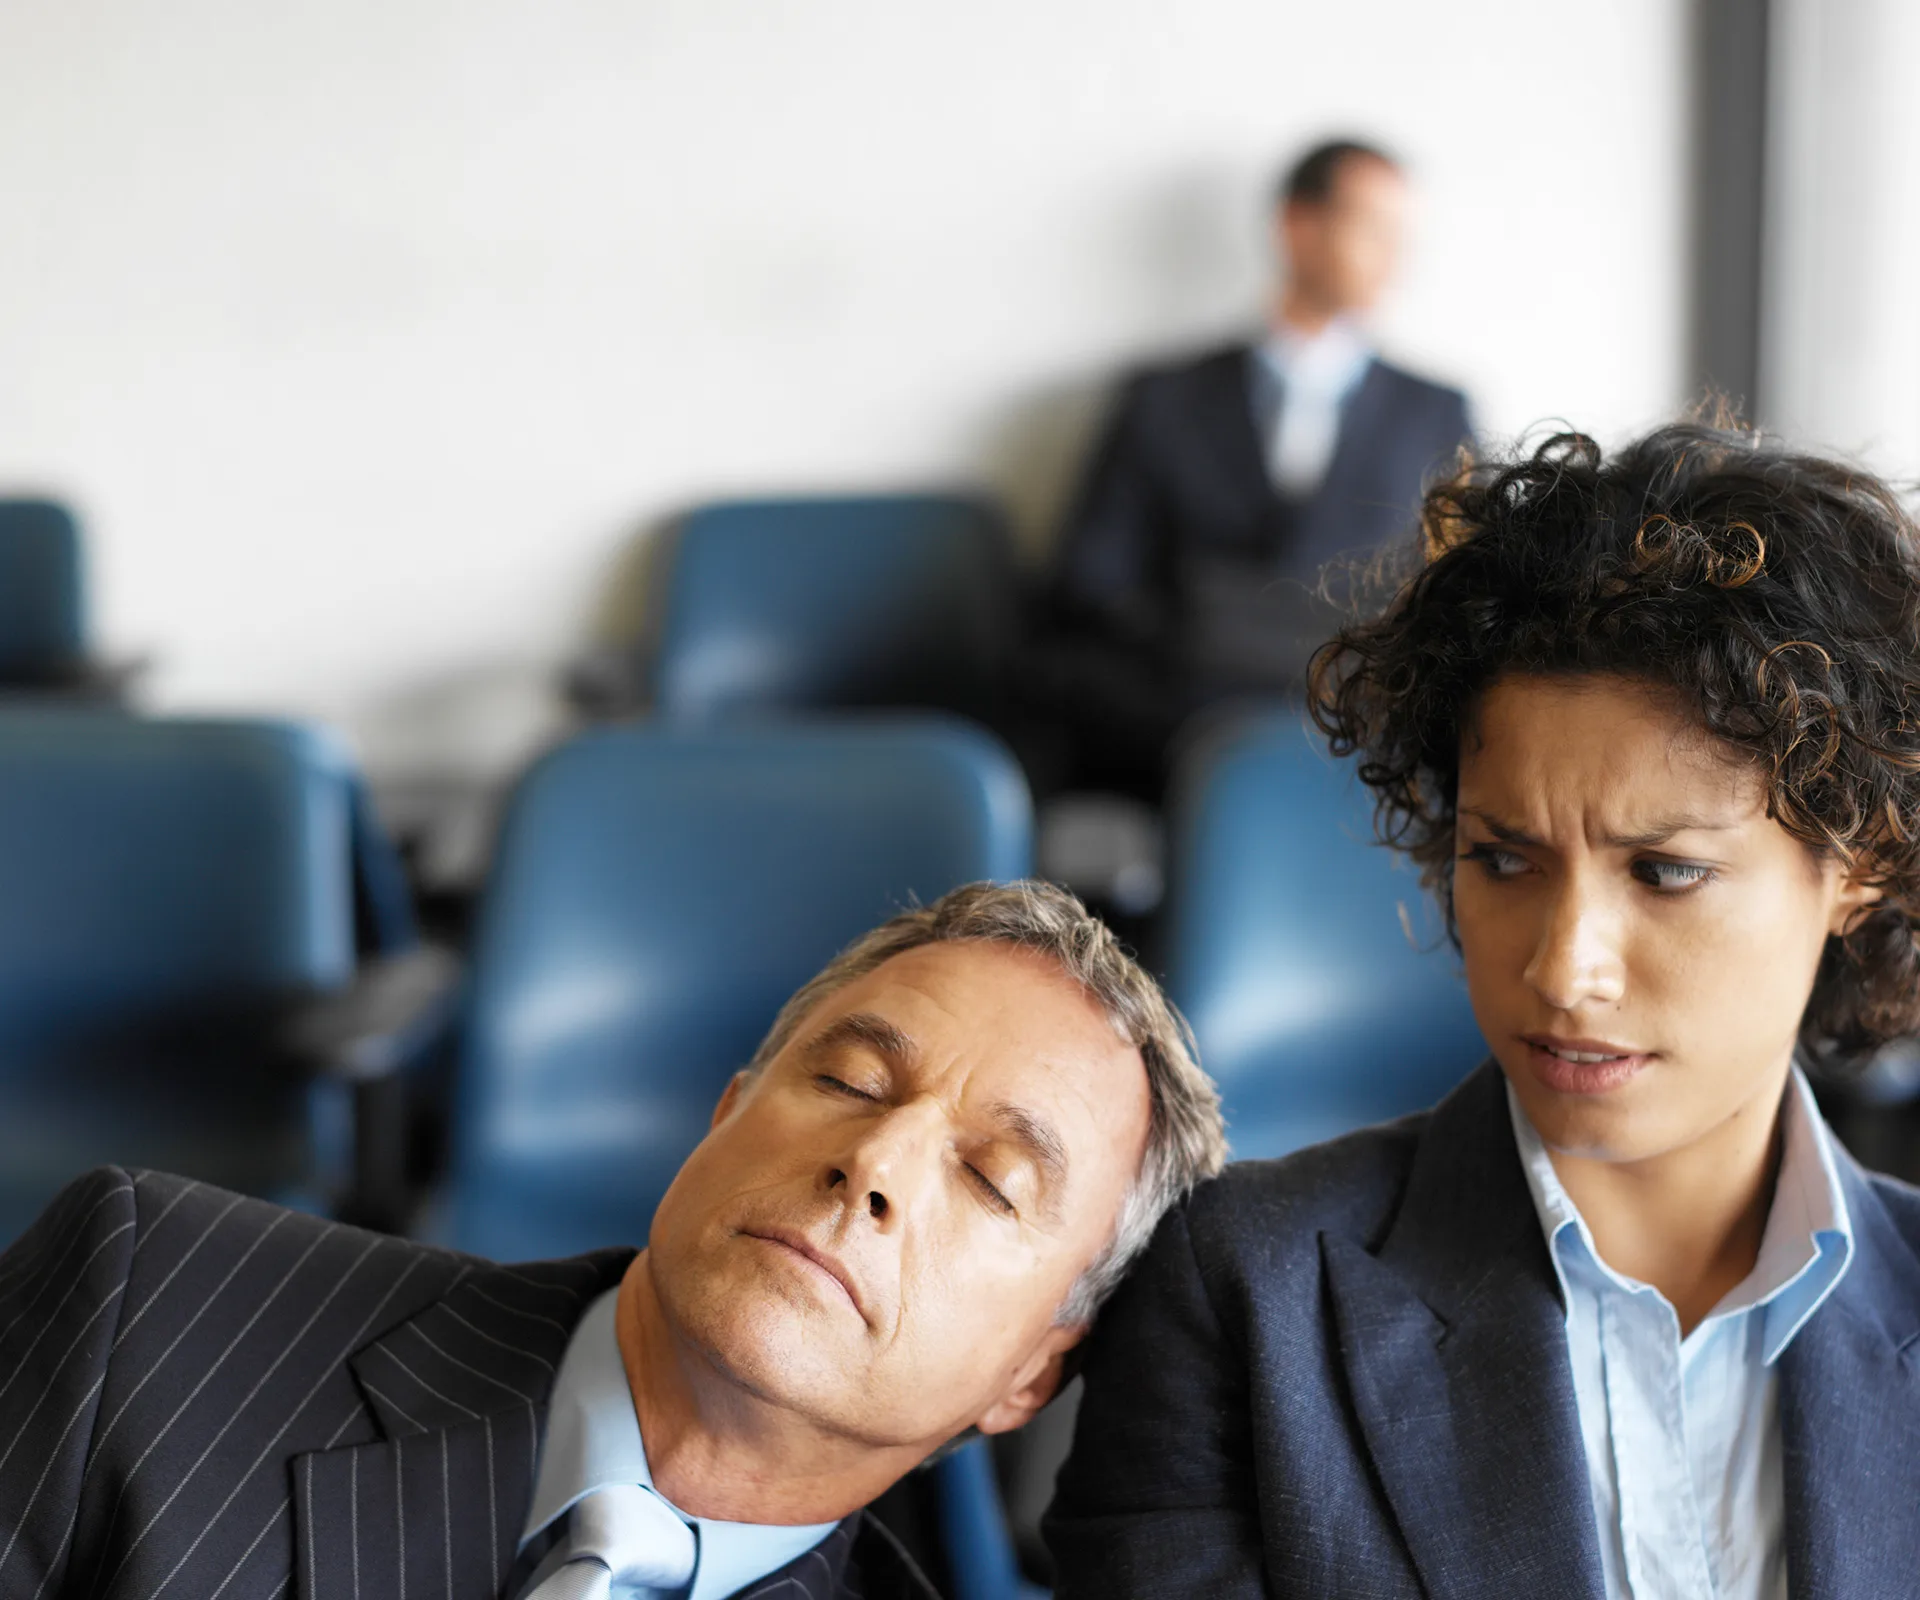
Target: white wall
1840, 341
369, 334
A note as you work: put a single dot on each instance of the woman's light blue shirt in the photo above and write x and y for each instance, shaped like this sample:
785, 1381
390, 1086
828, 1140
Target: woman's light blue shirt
1683, 1435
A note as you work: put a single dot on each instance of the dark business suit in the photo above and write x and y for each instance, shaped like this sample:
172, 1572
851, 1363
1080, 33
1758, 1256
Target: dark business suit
1345, 1373
203, 1396
1184, 579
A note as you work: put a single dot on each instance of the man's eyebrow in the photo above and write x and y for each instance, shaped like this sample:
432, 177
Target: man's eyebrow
868, 1030
1656, 833
1037, 1137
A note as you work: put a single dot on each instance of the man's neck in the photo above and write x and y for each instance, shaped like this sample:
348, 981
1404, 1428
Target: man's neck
716, 1450
1300, 313
1689, 1222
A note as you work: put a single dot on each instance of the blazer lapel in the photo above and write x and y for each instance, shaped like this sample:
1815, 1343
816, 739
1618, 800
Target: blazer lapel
1325, 519
458, 1395
1454, 1344
1850, 1418
1220, 426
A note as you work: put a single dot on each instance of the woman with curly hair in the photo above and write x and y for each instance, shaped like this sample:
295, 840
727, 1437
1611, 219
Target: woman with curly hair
1618, 1317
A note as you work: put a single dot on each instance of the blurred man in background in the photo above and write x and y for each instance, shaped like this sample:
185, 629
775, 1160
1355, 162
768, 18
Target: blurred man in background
1190, 567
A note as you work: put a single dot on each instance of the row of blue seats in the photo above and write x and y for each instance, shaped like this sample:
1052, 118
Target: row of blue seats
883, 600
180, 895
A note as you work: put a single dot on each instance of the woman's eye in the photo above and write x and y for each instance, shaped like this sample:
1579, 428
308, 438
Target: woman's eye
1494, 861
1671, 877
989, 1193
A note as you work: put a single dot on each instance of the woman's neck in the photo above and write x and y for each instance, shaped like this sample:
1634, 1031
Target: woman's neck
1690, 1221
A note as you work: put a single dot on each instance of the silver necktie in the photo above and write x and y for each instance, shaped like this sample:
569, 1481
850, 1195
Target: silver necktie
618, 1538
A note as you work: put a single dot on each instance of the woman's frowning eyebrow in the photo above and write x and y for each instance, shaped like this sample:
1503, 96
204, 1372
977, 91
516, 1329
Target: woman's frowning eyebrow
1655, 833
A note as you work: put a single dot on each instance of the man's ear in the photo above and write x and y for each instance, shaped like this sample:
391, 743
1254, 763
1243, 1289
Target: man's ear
1037, 1381
729, 1098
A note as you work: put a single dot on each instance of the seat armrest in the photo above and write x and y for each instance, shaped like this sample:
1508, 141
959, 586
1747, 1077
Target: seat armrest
384, 1022
606, 683
373, 1038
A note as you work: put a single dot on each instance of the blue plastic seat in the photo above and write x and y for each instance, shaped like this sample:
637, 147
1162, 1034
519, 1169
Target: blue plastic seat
658, 893
42, 597
170, 892
1315, 971
869, 601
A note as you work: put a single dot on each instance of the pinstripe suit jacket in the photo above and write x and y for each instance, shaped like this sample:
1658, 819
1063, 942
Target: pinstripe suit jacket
204, 1397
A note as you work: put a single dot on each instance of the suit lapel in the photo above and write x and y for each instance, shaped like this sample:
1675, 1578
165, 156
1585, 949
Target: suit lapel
1850, 1418
1221, 429
1454, 1345
1325, 519
458, 1393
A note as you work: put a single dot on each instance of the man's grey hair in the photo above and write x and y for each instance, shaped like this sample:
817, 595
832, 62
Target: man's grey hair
1186, 1138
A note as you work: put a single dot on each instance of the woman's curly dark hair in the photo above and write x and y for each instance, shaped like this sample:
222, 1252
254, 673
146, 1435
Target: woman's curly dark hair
1777, 594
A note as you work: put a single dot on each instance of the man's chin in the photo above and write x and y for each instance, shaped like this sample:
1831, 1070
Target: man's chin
777, 1349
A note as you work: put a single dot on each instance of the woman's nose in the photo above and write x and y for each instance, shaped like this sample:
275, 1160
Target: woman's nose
1577, 959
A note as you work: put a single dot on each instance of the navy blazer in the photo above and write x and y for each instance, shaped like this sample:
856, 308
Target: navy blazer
1345, 1373
1179, 543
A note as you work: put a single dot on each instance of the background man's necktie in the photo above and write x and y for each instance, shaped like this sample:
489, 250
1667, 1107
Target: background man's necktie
619, 1538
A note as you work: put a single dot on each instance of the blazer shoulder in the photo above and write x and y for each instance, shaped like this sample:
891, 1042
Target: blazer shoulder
1427, 393
1350, 1187
188, 1212
88, 1228
1172, 382
186, 1239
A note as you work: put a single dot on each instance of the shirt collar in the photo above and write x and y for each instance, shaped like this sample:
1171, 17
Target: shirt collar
1330, 362
593, 1439
1804, 1251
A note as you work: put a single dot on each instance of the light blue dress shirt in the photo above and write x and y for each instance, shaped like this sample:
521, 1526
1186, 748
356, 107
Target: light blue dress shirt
1301, 385
1683, 1435
593, 1440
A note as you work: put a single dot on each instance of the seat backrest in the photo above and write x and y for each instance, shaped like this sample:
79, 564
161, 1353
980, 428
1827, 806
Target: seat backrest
875, 601
161, 881
657, 895
1314, 970
42, 600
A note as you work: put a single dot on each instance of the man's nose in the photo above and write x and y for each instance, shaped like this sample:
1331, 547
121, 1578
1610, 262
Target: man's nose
1577, 960
889, 1162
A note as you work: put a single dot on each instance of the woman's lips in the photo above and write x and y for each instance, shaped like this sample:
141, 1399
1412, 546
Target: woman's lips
1583, 1066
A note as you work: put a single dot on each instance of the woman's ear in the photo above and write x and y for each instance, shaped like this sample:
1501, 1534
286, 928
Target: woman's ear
1856, 898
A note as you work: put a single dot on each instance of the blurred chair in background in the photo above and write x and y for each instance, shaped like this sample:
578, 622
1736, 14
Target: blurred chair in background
1316, 975
181, 981
44, 648
657, 895
877, 601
